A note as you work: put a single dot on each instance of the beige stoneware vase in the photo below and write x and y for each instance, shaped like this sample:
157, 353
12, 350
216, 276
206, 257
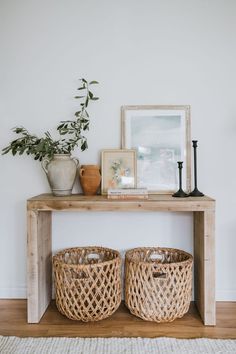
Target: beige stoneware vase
90, 179
61, 173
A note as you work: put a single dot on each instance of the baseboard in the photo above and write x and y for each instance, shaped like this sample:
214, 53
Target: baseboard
13, 292
21, 293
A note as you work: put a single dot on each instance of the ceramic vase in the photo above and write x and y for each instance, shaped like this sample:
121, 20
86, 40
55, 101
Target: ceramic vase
90, 179
61, 173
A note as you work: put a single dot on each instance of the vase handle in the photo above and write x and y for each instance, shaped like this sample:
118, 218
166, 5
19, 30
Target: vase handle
44, 164
76, 161
81, 172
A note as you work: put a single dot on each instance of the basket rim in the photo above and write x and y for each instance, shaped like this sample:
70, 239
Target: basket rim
129, 252
101, 264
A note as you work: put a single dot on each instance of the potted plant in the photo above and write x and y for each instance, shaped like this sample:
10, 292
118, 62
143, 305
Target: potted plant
55, 155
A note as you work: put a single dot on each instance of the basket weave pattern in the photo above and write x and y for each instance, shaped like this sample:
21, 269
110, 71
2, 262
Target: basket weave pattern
158, 283
87, 282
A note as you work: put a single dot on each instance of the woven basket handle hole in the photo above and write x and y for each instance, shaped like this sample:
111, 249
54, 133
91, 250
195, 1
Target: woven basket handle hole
94, 257
156, 257
159, 275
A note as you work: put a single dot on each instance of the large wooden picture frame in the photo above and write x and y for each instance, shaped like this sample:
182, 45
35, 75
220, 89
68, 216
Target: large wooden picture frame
161, 137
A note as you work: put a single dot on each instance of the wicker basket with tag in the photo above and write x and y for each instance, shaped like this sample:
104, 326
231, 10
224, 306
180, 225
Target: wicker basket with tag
87, 282
158, 283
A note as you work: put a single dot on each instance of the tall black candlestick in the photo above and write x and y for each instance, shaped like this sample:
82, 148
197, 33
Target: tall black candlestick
180, 193
195, 192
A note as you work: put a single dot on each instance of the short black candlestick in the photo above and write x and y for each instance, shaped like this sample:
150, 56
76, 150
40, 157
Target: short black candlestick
195, 192
180, 193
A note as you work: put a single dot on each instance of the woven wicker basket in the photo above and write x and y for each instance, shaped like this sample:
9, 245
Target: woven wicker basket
158, 283
87, 282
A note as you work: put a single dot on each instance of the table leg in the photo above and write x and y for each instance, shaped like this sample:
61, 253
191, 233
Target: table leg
204, 265
39, 266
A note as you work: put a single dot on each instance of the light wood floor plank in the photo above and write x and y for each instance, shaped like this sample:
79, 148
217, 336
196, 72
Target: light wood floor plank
13, 322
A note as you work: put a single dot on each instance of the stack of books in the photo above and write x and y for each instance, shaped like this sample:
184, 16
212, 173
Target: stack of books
128, 193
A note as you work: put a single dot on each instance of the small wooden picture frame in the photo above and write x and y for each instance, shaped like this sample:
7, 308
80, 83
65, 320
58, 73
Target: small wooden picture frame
118, 167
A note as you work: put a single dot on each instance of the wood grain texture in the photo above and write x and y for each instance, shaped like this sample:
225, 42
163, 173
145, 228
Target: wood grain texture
39, 264
13, 322
79, 202
204, 264
209, 264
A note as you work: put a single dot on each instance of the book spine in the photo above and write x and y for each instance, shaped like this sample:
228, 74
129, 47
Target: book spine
127, 197
128, 192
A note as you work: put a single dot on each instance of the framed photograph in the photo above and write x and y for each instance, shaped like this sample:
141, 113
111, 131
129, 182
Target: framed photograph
118, 169
161, 137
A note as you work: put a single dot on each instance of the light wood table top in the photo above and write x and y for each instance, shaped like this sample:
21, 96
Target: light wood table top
155, 202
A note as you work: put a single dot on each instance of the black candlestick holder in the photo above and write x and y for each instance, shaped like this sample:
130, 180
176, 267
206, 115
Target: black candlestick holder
195, 192
180, 193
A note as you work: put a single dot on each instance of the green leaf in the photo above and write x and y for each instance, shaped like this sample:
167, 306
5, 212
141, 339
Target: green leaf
95, 98
84, 145
79, 96
93, 82
18, 130
6, 150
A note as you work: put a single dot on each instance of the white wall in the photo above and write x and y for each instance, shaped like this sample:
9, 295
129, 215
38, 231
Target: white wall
141, 52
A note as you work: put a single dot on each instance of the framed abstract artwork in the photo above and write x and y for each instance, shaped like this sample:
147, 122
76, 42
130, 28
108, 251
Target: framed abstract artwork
118, 169
161, 137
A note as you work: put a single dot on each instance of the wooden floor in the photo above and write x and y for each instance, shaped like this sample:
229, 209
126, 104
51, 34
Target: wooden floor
121, 324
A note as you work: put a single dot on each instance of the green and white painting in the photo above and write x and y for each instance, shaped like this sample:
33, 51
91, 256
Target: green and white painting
159, 138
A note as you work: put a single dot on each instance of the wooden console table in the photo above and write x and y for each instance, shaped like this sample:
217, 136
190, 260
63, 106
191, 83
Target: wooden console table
39, 210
